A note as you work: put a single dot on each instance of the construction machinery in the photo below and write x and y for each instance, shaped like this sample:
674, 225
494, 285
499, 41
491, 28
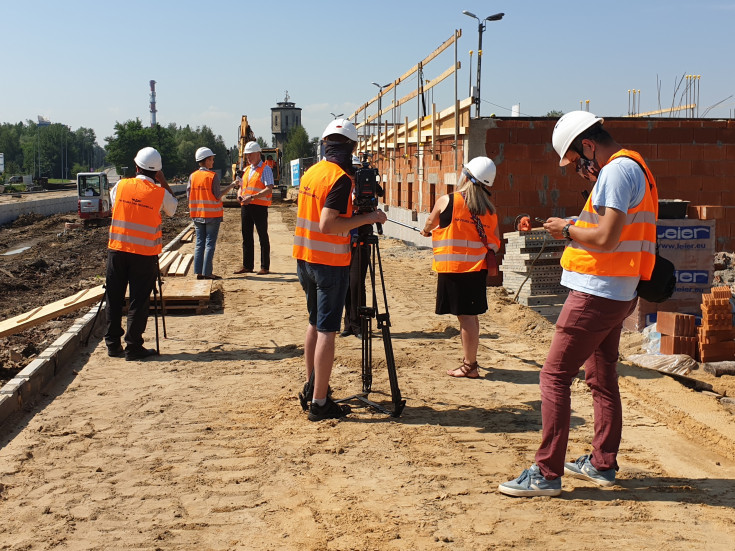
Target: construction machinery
271, 156
93, 196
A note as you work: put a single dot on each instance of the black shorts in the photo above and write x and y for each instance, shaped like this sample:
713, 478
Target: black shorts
462, 294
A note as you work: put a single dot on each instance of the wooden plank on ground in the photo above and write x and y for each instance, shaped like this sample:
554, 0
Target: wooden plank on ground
174, 265
165, 260
185, 289
184, 264
188, 236
51, 311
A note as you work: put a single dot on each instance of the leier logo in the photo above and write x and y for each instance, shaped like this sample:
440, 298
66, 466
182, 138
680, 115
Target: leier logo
684, 233
697, 277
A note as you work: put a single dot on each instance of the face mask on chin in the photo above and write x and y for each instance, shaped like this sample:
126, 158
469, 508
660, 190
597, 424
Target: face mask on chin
587, 168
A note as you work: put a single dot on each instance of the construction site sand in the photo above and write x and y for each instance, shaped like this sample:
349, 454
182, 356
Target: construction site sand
206, 447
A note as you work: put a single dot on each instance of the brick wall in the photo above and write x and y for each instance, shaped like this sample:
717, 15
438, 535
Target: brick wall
691, 159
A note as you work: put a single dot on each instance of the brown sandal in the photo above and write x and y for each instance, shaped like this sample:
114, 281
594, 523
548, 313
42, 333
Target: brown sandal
466, 370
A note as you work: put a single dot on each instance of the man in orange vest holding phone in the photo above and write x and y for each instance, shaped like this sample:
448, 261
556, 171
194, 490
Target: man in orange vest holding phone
135, 242
611, 247
255, 196
322, 249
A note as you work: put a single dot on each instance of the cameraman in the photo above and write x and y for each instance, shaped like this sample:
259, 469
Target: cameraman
322, 249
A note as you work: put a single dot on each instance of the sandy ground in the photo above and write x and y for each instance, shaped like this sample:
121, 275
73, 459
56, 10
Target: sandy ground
206, 447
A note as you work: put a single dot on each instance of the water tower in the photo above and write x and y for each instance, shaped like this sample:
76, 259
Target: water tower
284, 117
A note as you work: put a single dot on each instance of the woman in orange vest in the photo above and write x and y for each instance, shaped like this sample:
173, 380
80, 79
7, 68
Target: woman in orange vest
205, 209
464, 233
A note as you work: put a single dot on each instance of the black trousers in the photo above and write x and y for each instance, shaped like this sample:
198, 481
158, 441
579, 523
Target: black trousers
255, 216
140, 273
356, 291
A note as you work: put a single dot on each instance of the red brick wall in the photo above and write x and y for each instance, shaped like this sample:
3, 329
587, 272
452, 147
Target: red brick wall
691, 159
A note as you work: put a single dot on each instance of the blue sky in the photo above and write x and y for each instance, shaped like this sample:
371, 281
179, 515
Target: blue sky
88, 63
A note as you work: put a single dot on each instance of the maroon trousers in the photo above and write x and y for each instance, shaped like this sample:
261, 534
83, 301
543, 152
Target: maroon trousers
587, 333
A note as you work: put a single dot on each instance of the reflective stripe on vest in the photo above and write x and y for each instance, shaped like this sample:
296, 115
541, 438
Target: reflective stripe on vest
202, 202
635, 253
252, 183
458, 248
136, 218
309, 243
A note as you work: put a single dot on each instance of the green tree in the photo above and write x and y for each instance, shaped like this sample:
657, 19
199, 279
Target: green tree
297, 145
555, 113
262, 143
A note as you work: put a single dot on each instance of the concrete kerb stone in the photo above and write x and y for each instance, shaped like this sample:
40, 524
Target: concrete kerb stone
29, 382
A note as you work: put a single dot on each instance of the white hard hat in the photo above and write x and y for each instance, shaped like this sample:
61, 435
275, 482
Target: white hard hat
356, 161
481, 169
202, 153
343, 127
567, 128
149, 159
252, 147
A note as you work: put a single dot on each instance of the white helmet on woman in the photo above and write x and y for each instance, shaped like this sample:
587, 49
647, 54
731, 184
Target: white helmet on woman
343, 127
251, 147
203, 153
567, 128
149, 159
481, 169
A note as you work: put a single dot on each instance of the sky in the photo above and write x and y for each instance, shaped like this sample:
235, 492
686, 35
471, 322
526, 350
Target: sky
88, 63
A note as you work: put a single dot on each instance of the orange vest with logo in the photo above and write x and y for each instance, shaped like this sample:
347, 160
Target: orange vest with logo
458, 248
136, 218
202, 202
309, 243
252, 183
635, 253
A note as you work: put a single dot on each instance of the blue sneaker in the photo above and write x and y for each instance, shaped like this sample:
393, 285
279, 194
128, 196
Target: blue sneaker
531, 483
583, 468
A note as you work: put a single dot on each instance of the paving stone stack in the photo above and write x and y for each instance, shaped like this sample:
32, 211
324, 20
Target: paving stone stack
716, 334
541, 273
678, 333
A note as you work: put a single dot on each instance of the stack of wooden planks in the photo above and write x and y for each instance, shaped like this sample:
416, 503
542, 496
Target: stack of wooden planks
173, 263
531, 264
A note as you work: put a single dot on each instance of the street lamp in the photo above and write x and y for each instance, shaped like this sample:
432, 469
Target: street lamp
480, 29
337, 116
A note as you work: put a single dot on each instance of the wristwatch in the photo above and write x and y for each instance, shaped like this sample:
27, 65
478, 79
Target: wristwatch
565, 231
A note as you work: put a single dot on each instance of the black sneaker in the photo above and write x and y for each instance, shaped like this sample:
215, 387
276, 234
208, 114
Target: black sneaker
141, 354
115, 351
330, 410
307, 395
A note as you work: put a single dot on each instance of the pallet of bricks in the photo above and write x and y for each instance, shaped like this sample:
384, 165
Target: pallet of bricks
678, 333
716, 334
531, 264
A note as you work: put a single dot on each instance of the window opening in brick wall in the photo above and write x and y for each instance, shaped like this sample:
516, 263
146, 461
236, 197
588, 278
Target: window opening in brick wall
432, 196
409, 203
398, 197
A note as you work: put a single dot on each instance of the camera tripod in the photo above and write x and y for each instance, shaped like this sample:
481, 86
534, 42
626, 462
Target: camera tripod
365, 236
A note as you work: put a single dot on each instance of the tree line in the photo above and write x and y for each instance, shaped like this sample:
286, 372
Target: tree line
56, 151
48, 150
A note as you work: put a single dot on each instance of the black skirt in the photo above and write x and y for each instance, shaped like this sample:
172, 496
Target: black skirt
461, 294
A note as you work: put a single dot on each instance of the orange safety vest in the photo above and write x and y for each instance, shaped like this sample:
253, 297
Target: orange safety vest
458, 248
309, 243
251, 186
635, 253
202, 202
136, 217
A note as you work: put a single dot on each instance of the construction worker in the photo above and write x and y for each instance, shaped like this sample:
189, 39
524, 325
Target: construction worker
322, 248
135, 242
205, 209
610, 249
255, 195
464, 232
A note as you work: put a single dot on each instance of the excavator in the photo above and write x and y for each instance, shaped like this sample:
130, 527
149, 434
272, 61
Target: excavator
270, 155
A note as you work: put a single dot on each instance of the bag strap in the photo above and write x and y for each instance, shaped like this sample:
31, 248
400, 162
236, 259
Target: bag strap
478, 225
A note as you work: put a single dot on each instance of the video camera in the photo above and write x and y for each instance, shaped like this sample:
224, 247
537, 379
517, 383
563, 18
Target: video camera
367, 187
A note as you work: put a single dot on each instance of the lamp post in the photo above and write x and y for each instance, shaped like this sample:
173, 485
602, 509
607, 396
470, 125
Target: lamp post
480, 29
380, 108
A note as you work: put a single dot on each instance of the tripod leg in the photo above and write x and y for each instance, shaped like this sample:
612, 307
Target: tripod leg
163, 305
155, 310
